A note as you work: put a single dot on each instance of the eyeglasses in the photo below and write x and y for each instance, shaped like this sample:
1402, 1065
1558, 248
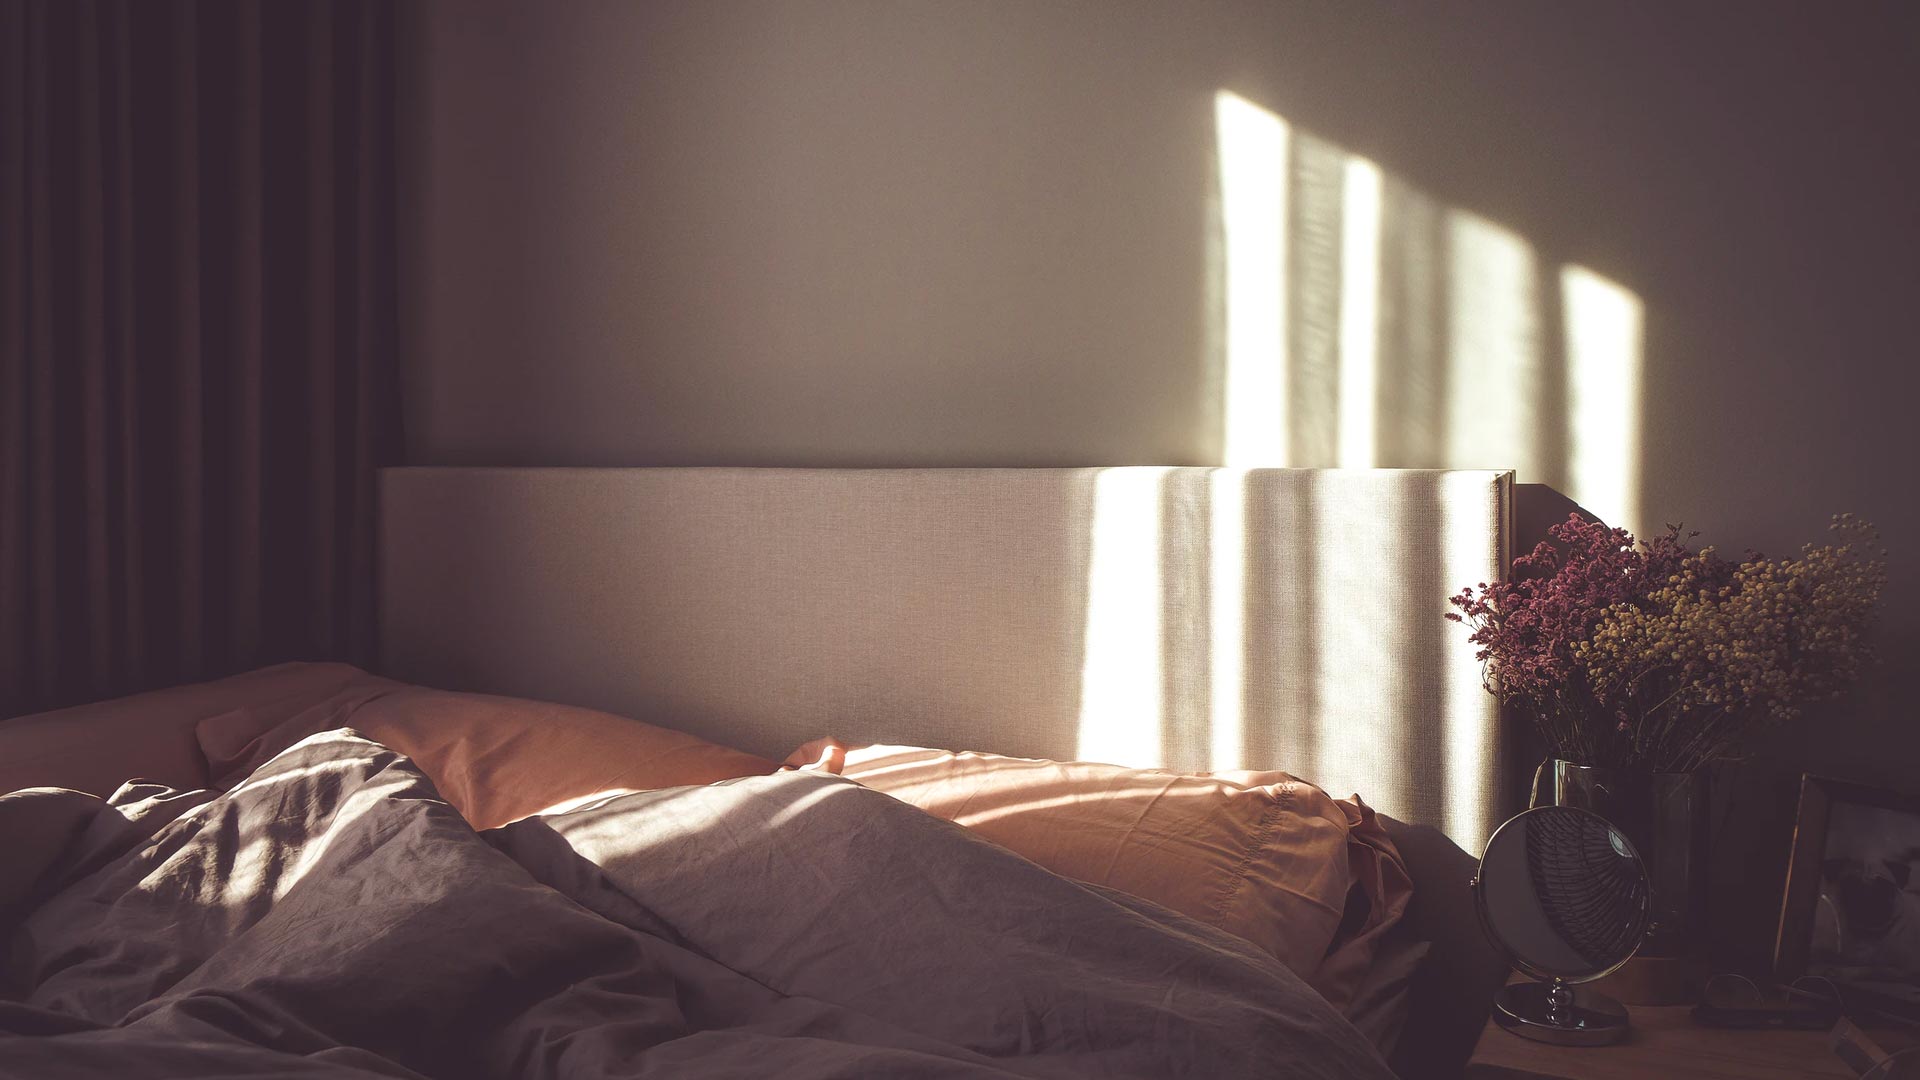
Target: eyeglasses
1817, 993
1809, 1003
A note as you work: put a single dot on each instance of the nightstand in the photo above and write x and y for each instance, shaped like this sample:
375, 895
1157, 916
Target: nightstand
1664, 1042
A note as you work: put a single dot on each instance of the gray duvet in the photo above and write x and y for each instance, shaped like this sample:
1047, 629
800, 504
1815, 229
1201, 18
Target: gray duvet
331, 916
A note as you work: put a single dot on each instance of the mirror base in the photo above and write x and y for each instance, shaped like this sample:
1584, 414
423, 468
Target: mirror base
1584, 1017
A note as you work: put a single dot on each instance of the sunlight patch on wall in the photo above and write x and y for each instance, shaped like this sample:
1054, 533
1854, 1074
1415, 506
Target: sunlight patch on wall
1410, 360
1494, 372
1318, 181
1604, 329
1367, 325
1121, 679
1359, 313
1253, 221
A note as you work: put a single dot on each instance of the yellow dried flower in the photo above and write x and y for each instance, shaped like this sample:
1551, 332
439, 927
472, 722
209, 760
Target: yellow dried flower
1757, 643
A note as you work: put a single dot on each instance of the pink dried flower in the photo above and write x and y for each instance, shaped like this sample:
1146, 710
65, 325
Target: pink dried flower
1528, 626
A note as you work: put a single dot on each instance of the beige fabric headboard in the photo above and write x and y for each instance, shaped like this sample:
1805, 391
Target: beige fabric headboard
1194, 618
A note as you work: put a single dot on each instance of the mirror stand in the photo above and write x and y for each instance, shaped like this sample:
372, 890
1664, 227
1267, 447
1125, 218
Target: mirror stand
1566, 897
1556, 1012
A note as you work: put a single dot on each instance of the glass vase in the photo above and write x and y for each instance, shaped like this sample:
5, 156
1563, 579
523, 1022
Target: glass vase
1667, 819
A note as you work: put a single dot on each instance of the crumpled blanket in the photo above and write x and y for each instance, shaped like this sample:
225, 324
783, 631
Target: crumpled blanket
331, 916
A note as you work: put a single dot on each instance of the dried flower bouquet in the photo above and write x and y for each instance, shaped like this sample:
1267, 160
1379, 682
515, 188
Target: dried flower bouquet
1655, 657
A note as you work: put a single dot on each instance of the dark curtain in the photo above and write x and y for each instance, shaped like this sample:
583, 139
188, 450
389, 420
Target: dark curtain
197, 337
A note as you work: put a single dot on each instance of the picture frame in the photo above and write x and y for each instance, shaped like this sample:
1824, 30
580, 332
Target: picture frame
1851, 911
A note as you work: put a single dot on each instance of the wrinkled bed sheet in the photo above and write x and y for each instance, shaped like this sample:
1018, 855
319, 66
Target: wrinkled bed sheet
333, 917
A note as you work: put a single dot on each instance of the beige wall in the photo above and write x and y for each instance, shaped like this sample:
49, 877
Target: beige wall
985, 233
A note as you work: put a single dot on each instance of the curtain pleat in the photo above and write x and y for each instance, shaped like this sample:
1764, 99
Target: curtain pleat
15, 660
324, 318
197, 338
179, 78
243, 186
43, 635
129, 522
90, 317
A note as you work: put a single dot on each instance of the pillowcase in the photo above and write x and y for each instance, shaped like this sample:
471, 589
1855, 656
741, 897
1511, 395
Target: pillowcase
495, 759
1310, 879
99, 746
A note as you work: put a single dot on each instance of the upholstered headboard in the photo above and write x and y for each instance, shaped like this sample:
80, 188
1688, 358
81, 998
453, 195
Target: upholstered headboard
1195, 618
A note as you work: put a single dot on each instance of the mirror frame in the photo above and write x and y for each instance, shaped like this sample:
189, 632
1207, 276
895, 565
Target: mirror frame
1493, 935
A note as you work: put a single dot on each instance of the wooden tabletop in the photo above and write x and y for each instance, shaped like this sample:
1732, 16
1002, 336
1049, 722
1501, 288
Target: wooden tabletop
1665, 1042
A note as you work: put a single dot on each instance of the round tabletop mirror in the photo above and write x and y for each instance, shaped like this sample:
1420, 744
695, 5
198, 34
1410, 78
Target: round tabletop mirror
1566, 897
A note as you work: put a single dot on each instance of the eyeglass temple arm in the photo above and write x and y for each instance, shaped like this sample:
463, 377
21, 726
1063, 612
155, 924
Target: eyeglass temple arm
1852, 1046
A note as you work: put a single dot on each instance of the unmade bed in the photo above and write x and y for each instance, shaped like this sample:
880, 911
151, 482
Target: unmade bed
1021, 853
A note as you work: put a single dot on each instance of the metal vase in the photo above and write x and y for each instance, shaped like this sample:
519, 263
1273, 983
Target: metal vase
1667, 818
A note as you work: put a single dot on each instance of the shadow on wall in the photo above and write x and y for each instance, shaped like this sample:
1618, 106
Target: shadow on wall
1358, 323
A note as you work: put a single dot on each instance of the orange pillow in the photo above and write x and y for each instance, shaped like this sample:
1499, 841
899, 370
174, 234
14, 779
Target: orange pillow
1312, 880
99, 746
495, 759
